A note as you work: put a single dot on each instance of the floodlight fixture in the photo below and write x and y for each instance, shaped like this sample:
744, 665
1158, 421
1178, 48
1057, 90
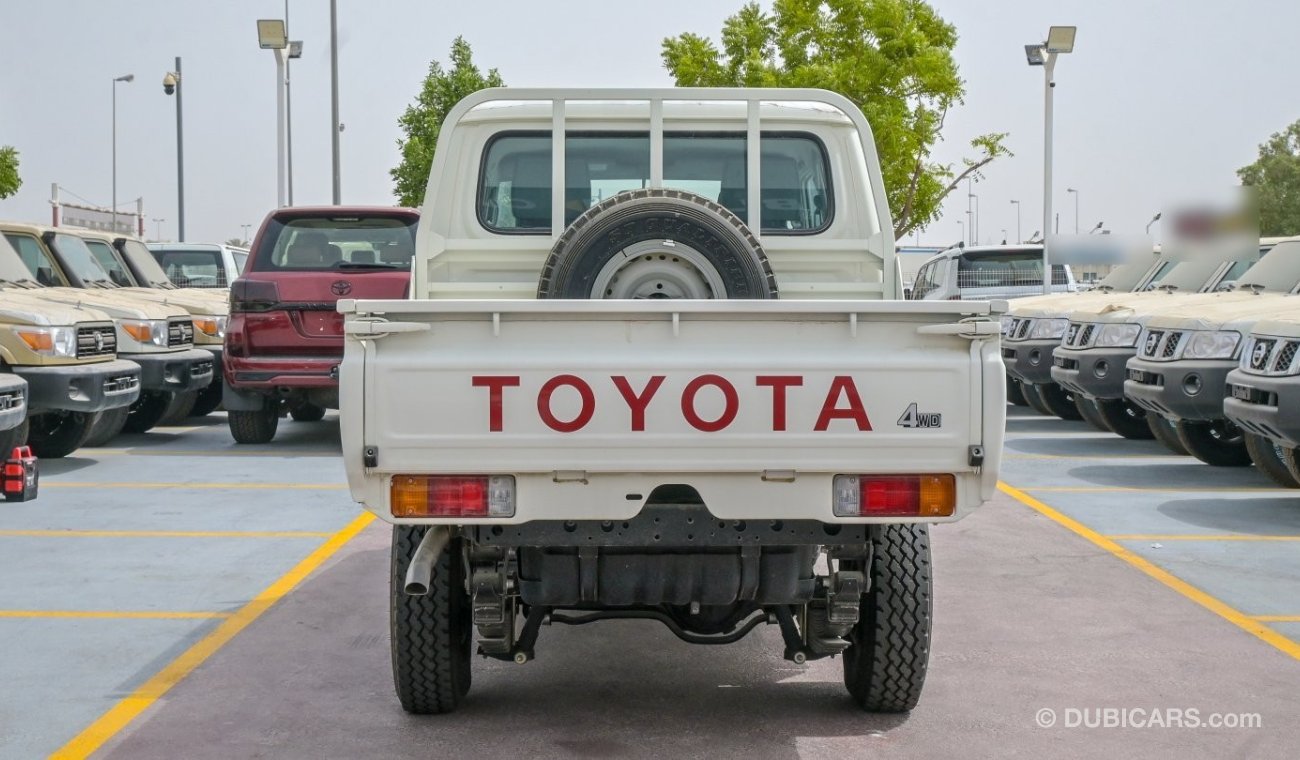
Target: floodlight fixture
271, 34
1060, 39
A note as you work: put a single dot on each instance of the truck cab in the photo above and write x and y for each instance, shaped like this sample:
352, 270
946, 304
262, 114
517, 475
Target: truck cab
652, 366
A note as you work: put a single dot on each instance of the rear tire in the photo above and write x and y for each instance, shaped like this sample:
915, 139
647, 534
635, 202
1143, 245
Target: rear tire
1218, 442
885, 665
108, 427
307, 413
1035, 400
253, 427
1269, 458
1166, 432
1059, 401
1292, 458
1125, 418
1090, 413
431, 636
57, 434
148, 411
1015, 393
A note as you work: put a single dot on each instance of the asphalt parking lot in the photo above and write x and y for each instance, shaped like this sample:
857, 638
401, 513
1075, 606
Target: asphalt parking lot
176, 595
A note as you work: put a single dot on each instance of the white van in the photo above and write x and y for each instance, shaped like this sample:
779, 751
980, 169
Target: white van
988, 272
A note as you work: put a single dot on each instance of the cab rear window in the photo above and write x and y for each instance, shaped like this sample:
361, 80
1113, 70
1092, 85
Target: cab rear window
1005, 269
515, 192
331, 244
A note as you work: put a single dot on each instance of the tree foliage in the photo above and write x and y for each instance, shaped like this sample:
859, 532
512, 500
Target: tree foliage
1275, 176
893, 58
423, 120
235, 242
9, 179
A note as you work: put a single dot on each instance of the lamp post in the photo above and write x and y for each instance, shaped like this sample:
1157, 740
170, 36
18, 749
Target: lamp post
123, 78
271, 35
1154, 219
335, 127
1019, 240
1096, 229
246, 228
157, 234
962, 224
975, 226
1076, 208
1060, 40
172, 85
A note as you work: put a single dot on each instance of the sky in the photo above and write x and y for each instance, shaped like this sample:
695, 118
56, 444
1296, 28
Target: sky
1162, 100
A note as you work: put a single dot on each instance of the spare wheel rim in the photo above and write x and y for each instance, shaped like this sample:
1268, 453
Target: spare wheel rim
658, 269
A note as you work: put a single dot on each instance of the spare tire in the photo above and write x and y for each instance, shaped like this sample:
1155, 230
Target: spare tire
657, 243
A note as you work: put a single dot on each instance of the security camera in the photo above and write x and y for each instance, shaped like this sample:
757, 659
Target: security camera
169, 83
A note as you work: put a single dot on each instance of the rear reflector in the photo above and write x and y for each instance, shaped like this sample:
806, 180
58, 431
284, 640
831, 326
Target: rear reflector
452, 496
895, 495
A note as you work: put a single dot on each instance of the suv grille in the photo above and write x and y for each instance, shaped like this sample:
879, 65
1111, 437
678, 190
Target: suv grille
180, 333
1152, 344
1171, 345
96, 341
1286, 356
1085, 337
1260, 353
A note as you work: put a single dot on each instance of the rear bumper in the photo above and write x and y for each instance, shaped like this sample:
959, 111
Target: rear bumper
1270, 407
252, 374
177, 372
1029, 361
1094, 372
13, 403
1183, 390
82, 387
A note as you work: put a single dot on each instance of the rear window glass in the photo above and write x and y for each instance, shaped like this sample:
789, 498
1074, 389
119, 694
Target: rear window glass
332, 244
1005, 270
515, 188
193, 269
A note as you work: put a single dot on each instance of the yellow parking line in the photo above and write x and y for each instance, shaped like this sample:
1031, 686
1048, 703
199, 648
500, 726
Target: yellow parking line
1134, 489
243, 486
1207, 537
1237, 618
112, 615
121, 714
1277, 618
163, 533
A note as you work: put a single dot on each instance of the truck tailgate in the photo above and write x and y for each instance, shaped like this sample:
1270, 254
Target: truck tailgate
591, 404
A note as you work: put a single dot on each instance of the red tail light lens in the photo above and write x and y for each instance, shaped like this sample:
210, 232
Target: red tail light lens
895, 495
452, 496
253, 295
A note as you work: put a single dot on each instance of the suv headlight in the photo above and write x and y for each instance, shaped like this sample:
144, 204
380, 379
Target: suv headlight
1118, 336
1044, 329
147, 331
1007, 319
211, 326
1207, 344
50, 341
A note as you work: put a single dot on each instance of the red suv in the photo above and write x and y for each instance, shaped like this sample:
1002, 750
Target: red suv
284, 341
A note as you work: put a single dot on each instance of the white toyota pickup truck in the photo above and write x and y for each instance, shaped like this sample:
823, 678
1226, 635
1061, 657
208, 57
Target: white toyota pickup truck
653, 366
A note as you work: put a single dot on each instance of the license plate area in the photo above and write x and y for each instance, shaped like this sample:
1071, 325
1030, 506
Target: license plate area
1248, 394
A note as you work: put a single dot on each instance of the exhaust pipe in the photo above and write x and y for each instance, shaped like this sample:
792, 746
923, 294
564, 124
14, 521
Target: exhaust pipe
419, 574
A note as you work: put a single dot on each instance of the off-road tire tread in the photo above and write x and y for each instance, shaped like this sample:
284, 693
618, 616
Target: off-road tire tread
885, 667
1267, 461
68, 440
148, 411
108, 426
1016, 393
1035, 400
1059, 402
209, 399
429, 674
1090, 414
253, 427
1198, 441
307, 413
1166, 433
1115, 412
556, 262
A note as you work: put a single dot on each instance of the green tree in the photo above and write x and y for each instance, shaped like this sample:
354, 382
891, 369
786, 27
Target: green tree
893, 58
1275, 176
9, 179
423, 120
235, 242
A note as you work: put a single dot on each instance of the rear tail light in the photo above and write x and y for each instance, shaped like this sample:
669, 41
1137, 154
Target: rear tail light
895, 495
253, 295
452, 496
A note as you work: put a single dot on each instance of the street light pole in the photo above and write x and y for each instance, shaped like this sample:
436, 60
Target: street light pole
180, 156
334, 100
157, 235
1019, 239
123, 78
975, 233
1076, 208
1060, 39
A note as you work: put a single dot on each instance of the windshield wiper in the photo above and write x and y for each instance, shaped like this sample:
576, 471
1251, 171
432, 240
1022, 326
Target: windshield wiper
363, 265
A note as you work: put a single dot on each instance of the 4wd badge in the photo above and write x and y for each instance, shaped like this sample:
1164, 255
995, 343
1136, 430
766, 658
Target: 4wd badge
914, 419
